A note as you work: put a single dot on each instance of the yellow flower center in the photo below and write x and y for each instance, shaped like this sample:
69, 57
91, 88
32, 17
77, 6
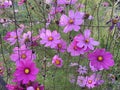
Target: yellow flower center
90, 81
59, 46
23, 56
37, 88
50, 38
71, 21
100, 58
75, 48
115, 21
16, 37
87, 40
57, 62
27, 40
27, 71
1, 70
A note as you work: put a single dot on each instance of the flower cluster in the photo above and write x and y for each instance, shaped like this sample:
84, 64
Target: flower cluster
82, 44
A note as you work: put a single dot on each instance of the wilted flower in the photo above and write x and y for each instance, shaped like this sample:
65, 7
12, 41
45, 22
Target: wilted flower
81, 81
82, 70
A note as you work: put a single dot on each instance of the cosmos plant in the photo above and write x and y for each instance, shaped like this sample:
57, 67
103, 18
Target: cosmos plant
81, 44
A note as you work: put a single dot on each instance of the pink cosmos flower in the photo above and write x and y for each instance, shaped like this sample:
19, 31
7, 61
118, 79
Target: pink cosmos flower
38, 86
5, 3
50, 38
94, 80
55, 10
71, 22
22, 53
74, 50
26, 71
13, 87
12, 37
66, 1
105, 4
21, 2
78, 6
90, 81
81, 81
86, 42
57, 61
61, 46
101, 59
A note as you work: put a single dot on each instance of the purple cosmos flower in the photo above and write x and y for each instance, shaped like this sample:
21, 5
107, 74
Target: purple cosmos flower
61, 46
26, 71
66, 1
81, 81
57, 61
50, 38
86, 42
114, 22
82, 70
22, 53
74, 50
101, 59
71, 22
